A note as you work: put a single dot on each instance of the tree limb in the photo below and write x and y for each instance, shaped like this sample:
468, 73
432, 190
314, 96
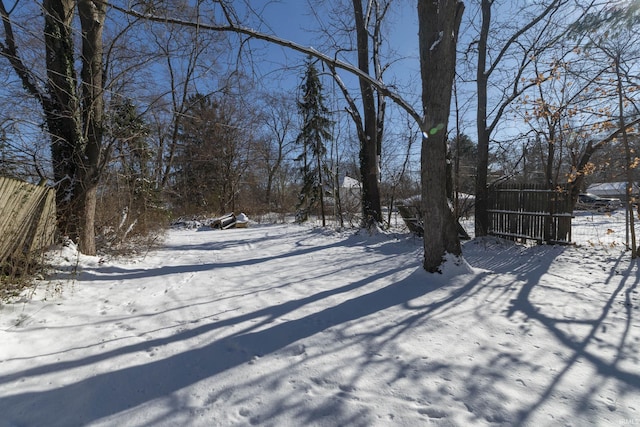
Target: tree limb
9, 50
336, 63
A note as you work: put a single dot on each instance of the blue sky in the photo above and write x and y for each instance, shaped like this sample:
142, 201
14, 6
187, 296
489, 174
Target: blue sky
293, 20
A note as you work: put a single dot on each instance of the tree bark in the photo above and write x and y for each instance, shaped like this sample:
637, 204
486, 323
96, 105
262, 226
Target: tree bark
371, 206
74, 120
92, 15
439, 22
62, 112
482, 192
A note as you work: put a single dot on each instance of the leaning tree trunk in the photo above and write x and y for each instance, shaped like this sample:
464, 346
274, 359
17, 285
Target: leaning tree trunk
439, 22
629, 169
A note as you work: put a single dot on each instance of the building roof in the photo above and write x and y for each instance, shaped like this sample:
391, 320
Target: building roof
611, 188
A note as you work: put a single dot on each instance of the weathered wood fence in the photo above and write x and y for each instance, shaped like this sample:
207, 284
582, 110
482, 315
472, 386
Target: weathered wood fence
530, 212
27, 220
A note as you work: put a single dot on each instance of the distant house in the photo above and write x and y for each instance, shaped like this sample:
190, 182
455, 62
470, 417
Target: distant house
612, 189
350, 194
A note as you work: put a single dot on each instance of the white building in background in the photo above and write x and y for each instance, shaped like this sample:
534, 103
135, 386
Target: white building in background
612, 189
350, 194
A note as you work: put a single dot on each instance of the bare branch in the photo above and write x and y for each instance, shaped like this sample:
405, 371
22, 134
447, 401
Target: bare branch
238, 29
616, 133
9, 50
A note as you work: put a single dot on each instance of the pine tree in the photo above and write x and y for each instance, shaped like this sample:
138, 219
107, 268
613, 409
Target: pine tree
316, 125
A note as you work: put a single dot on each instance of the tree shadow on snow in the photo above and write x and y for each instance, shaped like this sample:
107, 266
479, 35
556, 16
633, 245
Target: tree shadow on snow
529, 265
582, 347
106, 394
304, 245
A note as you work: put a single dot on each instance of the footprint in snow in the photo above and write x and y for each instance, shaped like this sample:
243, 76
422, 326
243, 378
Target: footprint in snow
432, 412
298, 350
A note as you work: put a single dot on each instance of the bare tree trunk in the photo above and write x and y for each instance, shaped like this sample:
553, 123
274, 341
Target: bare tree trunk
62, 112
74, 121
482, 78
92, 15
321, 186
486, 66
371, 207
627, 152
439, 22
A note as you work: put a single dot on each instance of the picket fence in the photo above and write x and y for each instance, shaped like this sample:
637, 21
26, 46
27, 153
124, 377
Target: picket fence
27, 221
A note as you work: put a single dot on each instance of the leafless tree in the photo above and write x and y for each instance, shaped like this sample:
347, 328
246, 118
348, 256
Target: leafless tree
73, 107
439, 23
278, 120
505, 63
369, 118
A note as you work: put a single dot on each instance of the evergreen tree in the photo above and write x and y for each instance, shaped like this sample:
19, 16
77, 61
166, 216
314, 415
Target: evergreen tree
130, 181
212, 156
316, 125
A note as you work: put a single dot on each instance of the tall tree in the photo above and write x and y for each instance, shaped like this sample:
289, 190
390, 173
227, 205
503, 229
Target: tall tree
212, 154
278, 122
197, 172
587, 99
316, 130
127, 192
370, 123
73, 118
361, 37
439, 24
618, 45
534, 31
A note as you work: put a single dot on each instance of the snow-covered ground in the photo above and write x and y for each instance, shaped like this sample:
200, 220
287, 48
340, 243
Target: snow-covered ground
287, 325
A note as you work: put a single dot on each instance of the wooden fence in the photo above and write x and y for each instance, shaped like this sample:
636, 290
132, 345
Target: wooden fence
27, 220
529, 212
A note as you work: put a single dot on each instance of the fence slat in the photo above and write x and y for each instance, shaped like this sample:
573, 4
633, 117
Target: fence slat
27, 218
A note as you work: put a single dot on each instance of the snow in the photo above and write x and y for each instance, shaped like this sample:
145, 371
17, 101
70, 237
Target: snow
437, 42
289, 325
